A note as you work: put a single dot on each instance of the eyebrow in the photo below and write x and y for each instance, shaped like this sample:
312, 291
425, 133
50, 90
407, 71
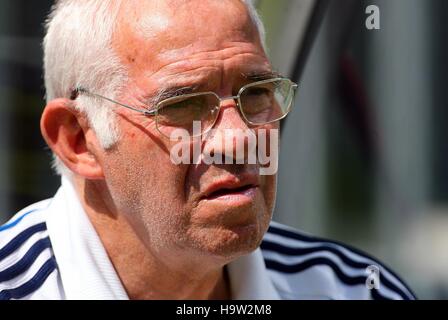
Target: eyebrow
174, 91
169, 92
263, 75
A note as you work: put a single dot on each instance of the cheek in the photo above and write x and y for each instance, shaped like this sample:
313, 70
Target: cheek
147, 189
143, 178
269, 189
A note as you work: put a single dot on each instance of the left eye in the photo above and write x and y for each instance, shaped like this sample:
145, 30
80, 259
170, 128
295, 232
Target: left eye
258, 91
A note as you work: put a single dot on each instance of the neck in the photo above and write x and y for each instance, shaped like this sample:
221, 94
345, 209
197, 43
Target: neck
142, 273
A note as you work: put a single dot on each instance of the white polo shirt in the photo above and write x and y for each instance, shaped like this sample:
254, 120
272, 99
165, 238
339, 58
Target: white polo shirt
50, 250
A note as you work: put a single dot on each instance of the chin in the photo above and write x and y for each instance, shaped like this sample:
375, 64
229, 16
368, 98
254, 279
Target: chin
227, 242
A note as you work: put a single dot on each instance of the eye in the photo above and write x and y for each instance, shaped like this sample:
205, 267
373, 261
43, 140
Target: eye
257, 99
258, 91
182, 110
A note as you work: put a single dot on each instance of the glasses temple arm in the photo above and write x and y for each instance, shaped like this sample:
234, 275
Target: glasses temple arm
85, 91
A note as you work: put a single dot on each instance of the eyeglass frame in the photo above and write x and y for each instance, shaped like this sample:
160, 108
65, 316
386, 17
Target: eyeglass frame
154, 111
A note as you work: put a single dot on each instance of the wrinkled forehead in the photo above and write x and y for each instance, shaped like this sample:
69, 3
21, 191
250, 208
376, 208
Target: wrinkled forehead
152, 32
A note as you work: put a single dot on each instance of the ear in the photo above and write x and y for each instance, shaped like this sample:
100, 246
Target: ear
69, 135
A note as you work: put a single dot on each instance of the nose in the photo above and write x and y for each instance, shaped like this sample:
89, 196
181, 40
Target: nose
230, 140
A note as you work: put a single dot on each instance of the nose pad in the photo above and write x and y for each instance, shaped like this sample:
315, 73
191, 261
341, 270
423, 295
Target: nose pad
230, 111
230, 140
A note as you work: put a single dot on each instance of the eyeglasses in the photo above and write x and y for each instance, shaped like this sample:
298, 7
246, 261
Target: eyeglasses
259, 103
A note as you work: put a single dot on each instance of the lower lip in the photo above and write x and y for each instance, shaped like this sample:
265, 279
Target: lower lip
238, 196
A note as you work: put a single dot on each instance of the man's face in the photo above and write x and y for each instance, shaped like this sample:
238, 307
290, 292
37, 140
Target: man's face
198, 210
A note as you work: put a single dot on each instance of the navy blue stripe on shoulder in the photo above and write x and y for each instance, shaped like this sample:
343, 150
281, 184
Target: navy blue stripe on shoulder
31, 285
25, 263
18, 240
377, 296
348, 280
276, 247
271, 246
296, 235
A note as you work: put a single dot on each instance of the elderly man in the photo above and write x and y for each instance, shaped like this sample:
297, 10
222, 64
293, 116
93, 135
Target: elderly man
131, 222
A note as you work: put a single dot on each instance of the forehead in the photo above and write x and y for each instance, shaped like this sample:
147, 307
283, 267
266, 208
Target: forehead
177, 36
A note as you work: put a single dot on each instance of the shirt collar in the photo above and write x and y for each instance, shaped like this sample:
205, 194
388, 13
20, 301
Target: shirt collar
87, 272
249, 278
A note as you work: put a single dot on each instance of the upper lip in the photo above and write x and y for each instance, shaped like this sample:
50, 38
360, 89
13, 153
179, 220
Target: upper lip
230, 183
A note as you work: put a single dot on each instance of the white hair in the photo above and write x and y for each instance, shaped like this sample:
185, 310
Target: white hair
78, 52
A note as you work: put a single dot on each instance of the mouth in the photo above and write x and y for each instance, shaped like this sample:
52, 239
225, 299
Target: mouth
232, 189
246, 190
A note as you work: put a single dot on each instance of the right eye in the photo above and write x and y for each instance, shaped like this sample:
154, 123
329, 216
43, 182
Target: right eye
181, 111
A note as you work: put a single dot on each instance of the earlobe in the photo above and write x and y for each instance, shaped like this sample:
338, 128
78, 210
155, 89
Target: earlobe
66, 132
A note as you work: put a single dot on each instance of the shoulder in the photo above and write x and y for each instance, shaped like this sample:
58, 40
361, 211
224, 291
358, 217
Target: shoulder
26, 257
307, 267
